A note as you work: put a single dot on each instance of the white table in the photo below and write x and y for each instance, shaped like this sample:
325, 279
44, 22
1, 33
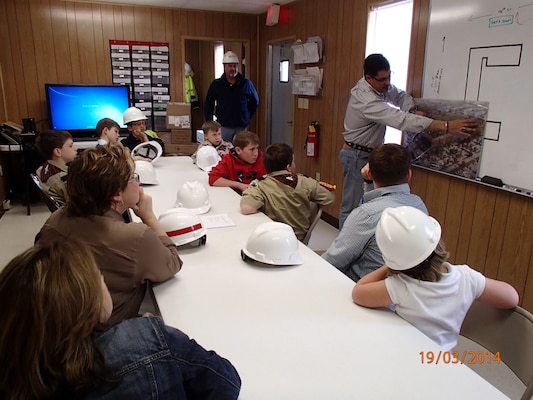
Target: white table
293, 332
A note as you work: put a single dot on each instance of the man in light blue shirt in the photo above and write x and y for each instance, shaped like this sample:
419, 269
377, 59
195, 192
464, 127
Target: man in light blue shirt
355, 251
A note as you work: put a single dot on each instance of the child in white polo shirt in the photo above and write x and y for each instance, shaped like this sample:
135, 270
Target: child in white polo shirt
427, 291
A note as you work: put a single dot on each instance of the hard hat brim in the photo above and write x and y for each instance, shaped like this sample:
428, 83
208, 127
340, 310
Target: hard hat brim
150, 182
197, 211
295, 260
151, 143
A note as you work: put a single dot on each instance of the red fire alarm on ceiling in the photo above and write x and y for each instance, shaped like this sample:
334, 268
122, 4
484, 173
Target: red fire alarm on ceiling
273, 15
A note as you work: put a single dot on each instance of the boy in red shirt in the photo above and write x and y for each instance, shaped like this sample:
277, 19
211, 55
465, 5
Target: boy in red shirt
243, 164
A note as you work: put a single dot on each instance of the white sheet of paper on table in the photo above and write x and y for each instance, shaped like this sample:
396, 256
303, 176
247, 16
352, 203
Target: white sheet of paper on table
216, 221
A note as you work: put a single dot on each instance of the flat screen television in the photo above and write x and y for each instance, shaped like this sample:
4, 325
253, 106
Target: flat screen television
78, 108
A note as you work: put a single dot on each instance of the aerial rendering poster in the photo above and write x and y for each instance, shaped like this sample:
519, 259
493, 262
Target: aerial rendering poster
457, 155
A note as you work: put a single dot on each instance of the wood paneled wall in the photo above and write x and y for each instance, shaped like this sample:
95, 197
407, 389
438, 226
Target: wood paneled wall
55, 41
487, 228
342, 26
61, 41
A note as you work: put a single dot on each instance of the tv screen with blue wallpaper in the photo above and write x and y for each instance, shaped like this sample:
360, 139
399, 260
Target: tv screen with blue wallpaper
78, 108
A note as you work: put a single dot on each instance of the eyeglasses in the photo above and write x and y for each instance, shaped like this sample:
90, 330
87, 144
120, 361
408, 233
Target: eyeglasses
384, 79
134, 179
138, 123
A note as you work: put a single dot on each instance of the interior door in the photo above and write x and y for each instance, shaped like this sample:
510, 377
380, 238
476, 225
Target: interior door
280, 99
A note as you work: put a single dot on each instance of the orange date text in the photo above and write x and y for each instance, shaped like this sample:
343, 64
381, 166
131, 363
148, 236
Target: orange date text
455, 357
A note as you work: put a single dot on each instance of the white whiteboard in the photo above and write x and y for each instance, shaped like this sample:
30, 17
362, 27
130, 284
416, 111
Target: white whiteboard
482, 50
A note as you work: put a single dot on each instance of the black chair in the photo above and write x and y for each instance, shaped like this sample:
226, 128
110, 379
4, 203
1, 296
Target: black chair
30, 160
50, 201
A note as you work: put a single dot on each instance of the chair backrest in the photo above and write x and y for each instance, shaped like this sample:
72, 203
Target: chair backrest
50, 201
507, 332
316, 213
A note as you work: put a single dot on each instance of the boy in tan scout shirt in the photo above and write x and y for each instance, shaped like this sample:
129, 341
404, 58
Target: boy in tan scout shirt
283, 195
58, 148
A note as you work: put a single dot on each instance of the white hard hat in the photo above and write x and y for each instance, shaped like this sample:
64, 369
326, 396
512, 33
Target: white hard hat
151, 150
207, 157
146, 172
183, 227
194, 197
133, 114
187, 68
230, 58
406, 236
273, 243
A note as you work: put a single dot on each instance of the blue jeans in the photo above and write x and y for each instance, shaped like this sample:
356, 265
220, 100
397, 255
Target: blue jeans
228, 133
153, 361
353, 188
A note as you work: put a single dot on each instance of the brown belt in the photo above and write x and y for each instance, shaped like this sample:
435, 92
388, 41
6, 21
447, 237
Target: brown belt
358, 147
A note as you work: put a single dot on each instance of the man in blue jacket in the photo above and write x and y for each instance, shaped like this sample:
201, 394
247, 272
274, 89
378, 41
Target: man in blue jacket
232, 98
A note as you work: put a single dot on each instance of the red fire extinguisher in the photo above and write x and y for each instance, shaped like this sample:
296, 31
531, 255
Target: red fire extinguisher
311, 142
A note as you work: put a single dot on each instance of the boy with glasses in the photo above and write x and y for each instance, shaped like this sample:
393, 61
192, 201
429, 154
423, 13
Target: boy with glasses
135, 121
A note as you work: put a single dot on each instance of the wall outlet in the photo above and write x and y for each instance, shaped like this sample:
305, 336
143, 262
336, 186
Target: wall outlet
317, 176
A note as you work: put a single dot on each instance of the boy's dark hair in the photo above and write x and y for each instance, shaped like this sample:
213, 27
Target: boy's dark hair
47, 141
106, 123
210, 126
375, 63
244, 138
389, 164
277, 156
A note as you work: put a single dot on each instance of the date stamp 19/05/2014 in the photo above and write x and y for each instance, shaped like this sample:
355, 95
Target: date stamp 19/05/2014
455, 357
